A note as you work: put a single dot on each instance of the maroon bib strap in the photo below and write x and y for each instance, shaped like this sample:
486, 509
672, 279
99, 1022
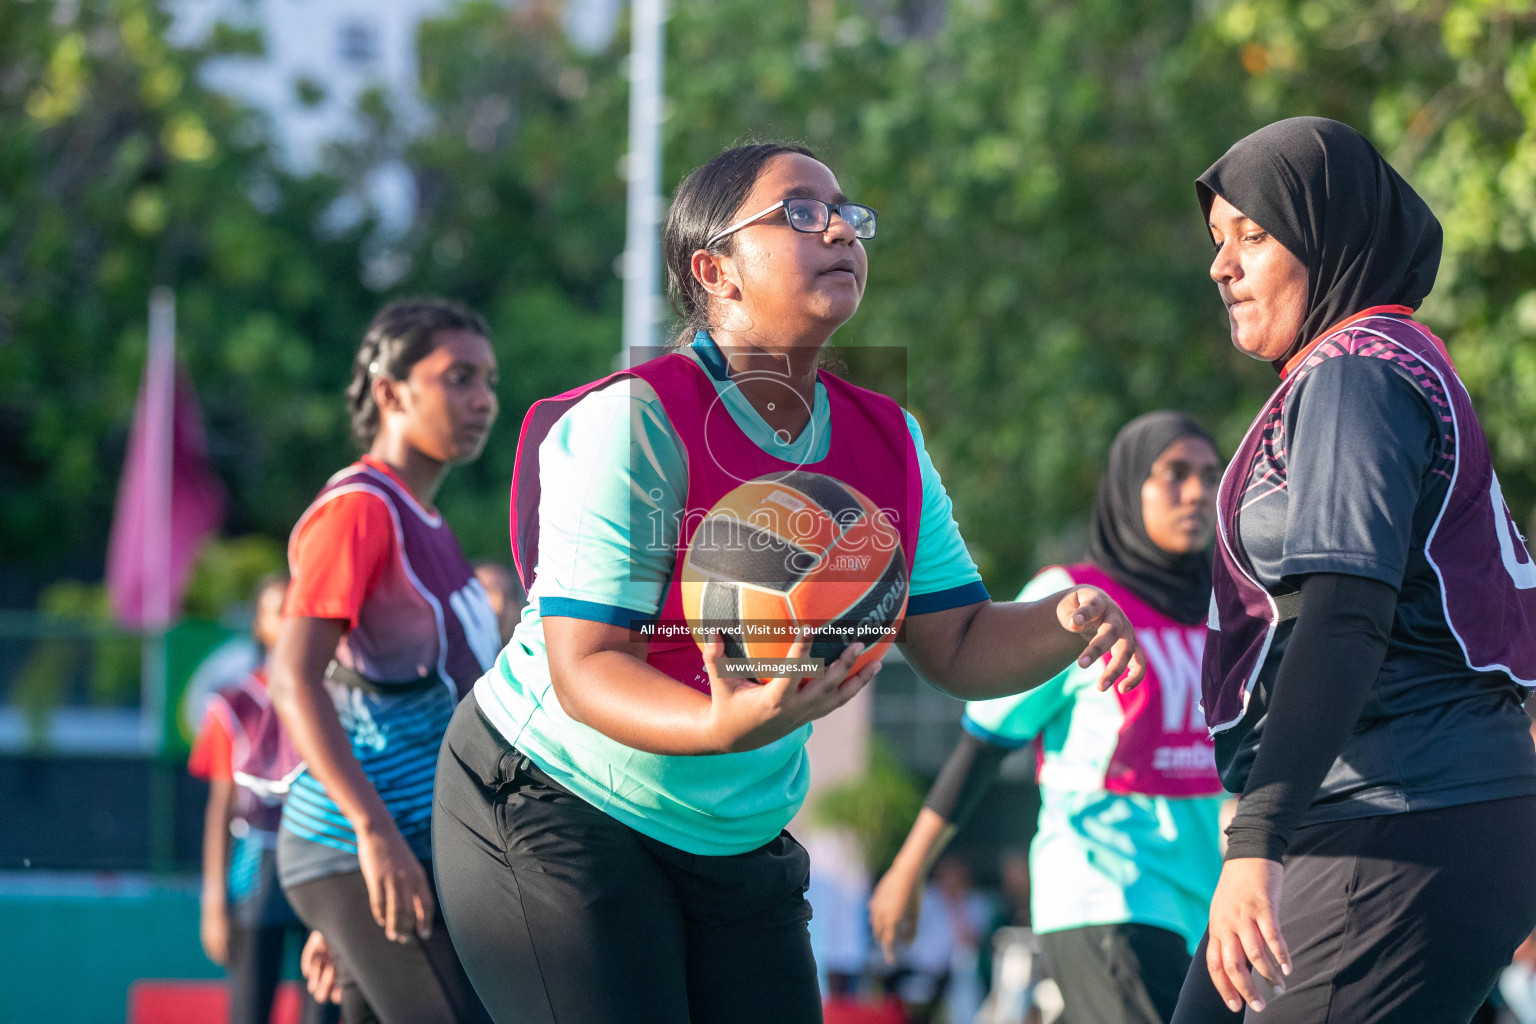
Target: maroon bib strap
524, 505
436, 567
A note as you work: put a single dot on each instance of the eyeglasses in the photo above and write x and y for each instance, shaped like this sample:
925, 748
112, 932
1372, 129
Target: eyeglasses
811, 216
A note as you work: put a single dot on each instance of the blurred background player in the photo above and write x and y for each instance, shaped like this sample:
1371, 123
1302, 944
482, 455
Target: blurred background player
1127, 850
245, 919
504, 593
385, 629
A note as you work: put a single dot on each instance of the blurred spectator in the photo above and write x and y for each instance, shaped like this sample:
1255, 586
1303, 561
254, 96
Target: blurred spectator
1022, 991
839, 927
970, 915
245, 919
941, 966
1012, 911
1013, 873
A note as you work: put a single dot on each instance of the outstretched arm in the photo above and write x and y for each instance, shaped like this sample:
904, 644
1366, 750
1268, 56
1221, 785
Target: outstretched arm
995, 648
897, 900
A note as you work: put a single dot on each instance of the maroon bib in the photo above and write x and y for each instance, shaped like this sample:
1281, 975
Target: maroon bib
870, 449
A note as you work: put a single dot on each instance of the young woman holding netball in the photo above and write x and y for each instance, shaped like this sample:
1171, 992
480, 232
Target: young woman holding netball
385, 629
609, 828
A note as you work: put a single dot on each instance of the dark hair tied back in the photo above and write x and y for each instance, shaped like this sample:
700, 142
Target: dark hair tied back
705, 203
400, 336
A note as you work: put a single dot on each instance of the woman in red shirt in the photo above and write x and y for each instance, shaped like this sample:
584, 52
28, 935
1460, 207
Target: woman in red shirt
385, 629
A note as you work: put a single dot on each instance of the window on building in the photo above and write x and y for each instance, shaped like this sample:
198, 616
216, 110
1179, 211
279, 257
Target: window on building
358, 42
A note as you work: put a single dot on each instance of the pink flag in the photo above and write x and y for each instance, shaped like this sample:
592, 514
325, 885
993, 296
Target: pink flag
169, 498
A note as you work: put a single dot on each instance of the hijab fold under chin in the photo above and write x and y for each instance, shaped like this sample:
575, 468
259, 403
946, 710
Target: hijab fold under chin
1322, 191
1179, 586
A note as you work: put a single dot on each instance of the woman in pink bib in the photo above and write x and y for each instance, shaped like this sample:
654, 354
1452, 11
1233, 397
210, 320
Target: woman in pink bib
1126, 851
609, 835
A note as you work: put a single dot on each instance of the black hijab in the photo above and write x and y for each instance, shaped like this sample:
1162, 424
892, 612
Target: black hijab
1324, 193
1179, 586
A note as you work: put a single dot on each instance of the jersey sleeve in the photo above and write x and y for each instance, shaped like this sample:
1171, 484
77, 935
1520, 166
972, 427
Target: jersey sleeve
944, 575
1013, 721
337, 555
1360, 441
213, 753
613, 475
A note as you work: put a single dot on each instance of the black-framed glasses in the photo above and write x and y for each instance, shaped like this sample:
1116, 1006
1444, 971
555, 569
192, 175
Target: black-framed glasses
811, 216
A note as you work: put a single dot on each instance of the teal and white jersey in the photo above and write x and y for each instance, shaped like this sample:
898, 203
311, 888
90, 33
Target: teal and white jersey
614, 479
1100, 857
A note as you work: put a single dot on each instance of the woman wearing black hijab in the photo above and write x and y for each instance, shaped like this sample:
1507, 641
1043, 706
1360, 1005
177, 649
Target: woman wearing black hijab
1372, 618
1127, 851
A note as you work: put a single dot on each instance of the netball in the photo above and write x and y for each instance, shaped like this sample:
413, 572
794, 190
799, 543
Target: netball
792, 553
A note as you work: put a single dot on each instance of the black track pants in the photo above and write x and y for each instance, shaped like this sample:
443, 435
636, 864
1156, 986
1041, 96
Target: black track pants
1403, 918
563, 915
418, 982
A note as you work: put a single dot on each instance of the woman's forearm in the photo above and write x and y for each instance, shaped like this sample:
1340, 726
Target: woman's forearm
625, 699
992, 649
216, 818
1333, 656
930, 834
965, 778
602, 679
972, 767
303, 651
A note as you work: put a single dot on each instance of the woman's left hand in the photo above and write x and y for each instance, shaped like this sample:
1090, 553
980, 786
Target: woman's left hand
1244, 936
318, 965
1093, 613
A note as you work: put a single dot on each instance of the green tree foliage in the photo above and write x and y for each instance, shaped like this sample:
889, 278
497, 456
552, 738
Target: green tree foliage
118, 171
522, 217
227, 573
878, 807
1040, 254
1447, 91
1040, 258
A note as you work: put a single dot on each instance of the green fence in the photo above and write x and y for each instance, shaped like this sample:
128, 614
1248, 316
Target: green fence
73, 943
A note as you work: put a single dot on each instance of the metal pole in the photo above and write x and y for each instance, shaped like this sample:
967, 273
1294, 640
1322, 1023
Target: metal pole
642, 245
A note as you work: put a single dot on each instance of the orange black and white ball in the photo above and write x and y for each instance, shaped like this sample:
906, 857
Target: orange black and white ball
794, 552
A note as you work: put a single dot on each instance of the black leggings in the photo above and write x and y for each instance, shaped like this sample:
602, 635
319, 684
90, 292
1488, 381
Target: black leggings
563, 915
1400, 918
384, 982
255, 964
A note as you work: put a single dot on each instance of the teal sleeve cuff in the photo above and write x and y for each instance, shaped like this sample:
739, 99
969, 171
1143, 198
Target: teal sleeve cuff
944, 600
591, 611
988, 736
